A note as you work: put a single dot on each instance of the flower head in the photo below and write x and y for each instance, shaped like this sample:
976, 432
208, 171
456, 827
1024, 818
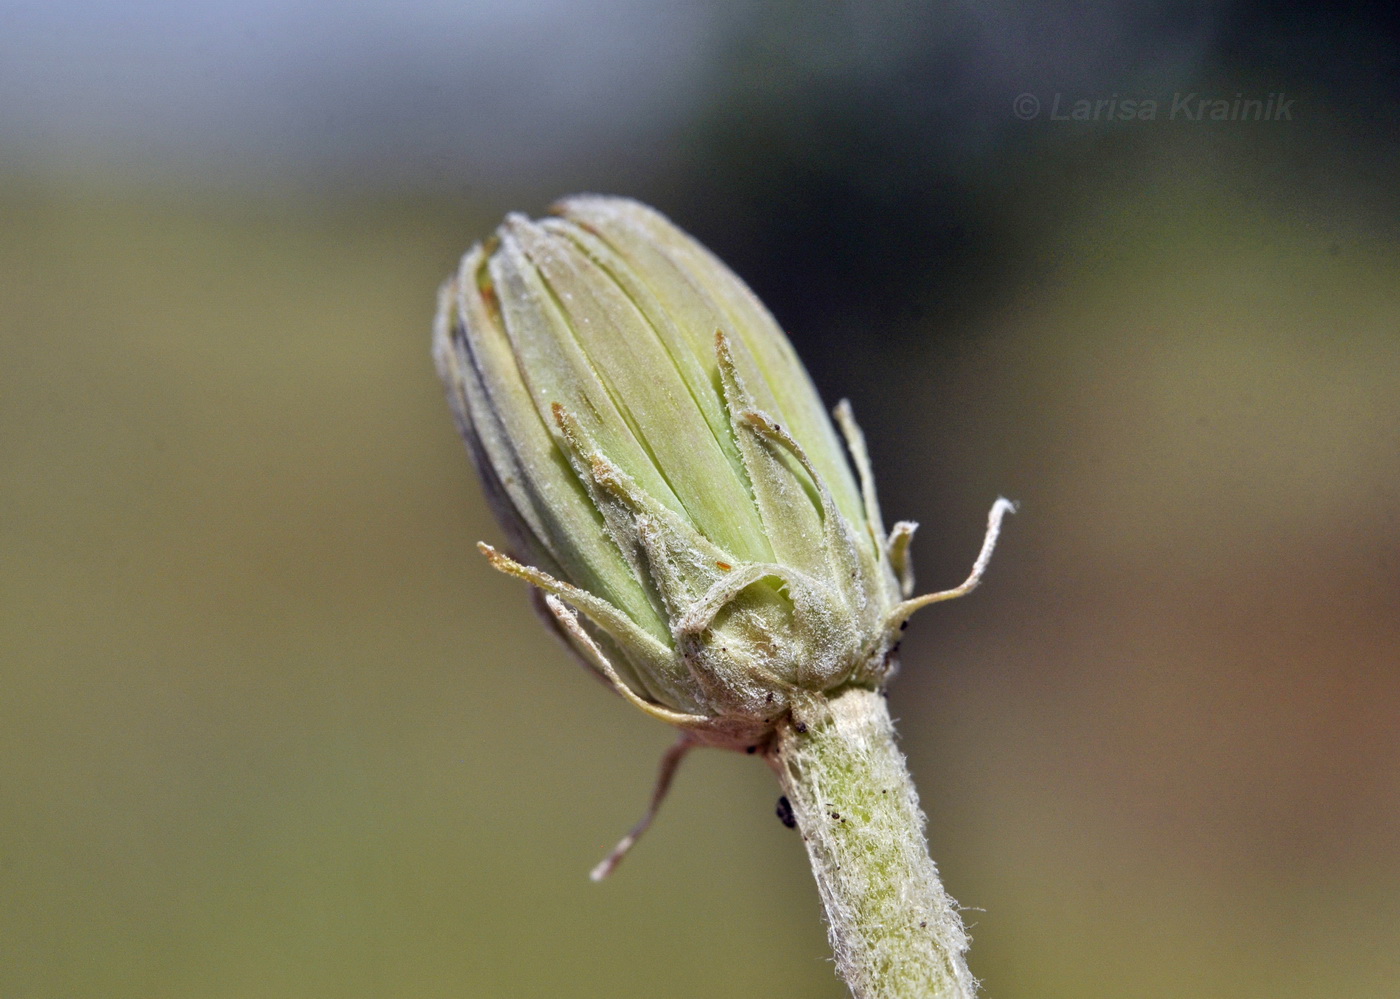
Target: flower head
666, 473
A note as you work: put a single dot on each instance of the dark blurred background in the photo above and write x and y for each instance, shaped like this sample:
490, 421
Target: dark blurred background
269, 726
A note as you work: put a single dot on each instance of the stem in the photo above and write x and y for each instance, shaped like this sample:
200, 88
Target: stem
895, 931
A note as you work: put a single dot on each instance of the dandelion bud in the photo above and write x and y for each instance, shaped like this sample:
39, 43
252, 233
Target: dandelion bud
666, 474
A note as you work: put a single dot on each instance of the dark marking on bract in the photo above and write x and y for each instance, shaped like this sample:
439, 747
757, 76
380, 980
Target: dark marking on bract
784, 813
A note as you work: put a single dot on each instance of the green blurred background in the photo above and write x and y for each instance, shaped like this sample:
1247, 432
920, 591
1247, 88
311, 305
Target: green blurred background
270, 727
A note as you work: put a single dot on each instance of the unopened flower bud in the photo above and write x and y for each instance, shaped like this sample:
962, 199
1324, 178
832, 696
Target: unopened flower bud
666, 473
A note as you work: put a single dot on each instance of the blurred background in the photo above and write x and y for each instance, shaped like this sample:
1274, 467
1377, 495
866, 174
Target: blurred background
270, 727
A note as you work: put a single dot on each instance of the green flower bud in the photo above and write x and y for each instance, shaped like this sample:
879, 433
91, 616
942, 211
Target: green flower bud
667, 475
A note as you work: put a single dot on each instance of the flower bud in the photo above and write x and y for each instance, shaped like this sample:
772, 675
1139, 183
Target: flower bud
666, 474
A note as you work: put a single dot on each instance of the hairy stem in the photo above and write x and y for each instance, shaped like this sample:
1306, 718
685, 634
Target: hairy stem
895, 931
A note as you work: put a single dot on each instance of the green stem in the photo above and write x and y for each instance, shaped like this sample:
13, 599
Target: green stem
895, 931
